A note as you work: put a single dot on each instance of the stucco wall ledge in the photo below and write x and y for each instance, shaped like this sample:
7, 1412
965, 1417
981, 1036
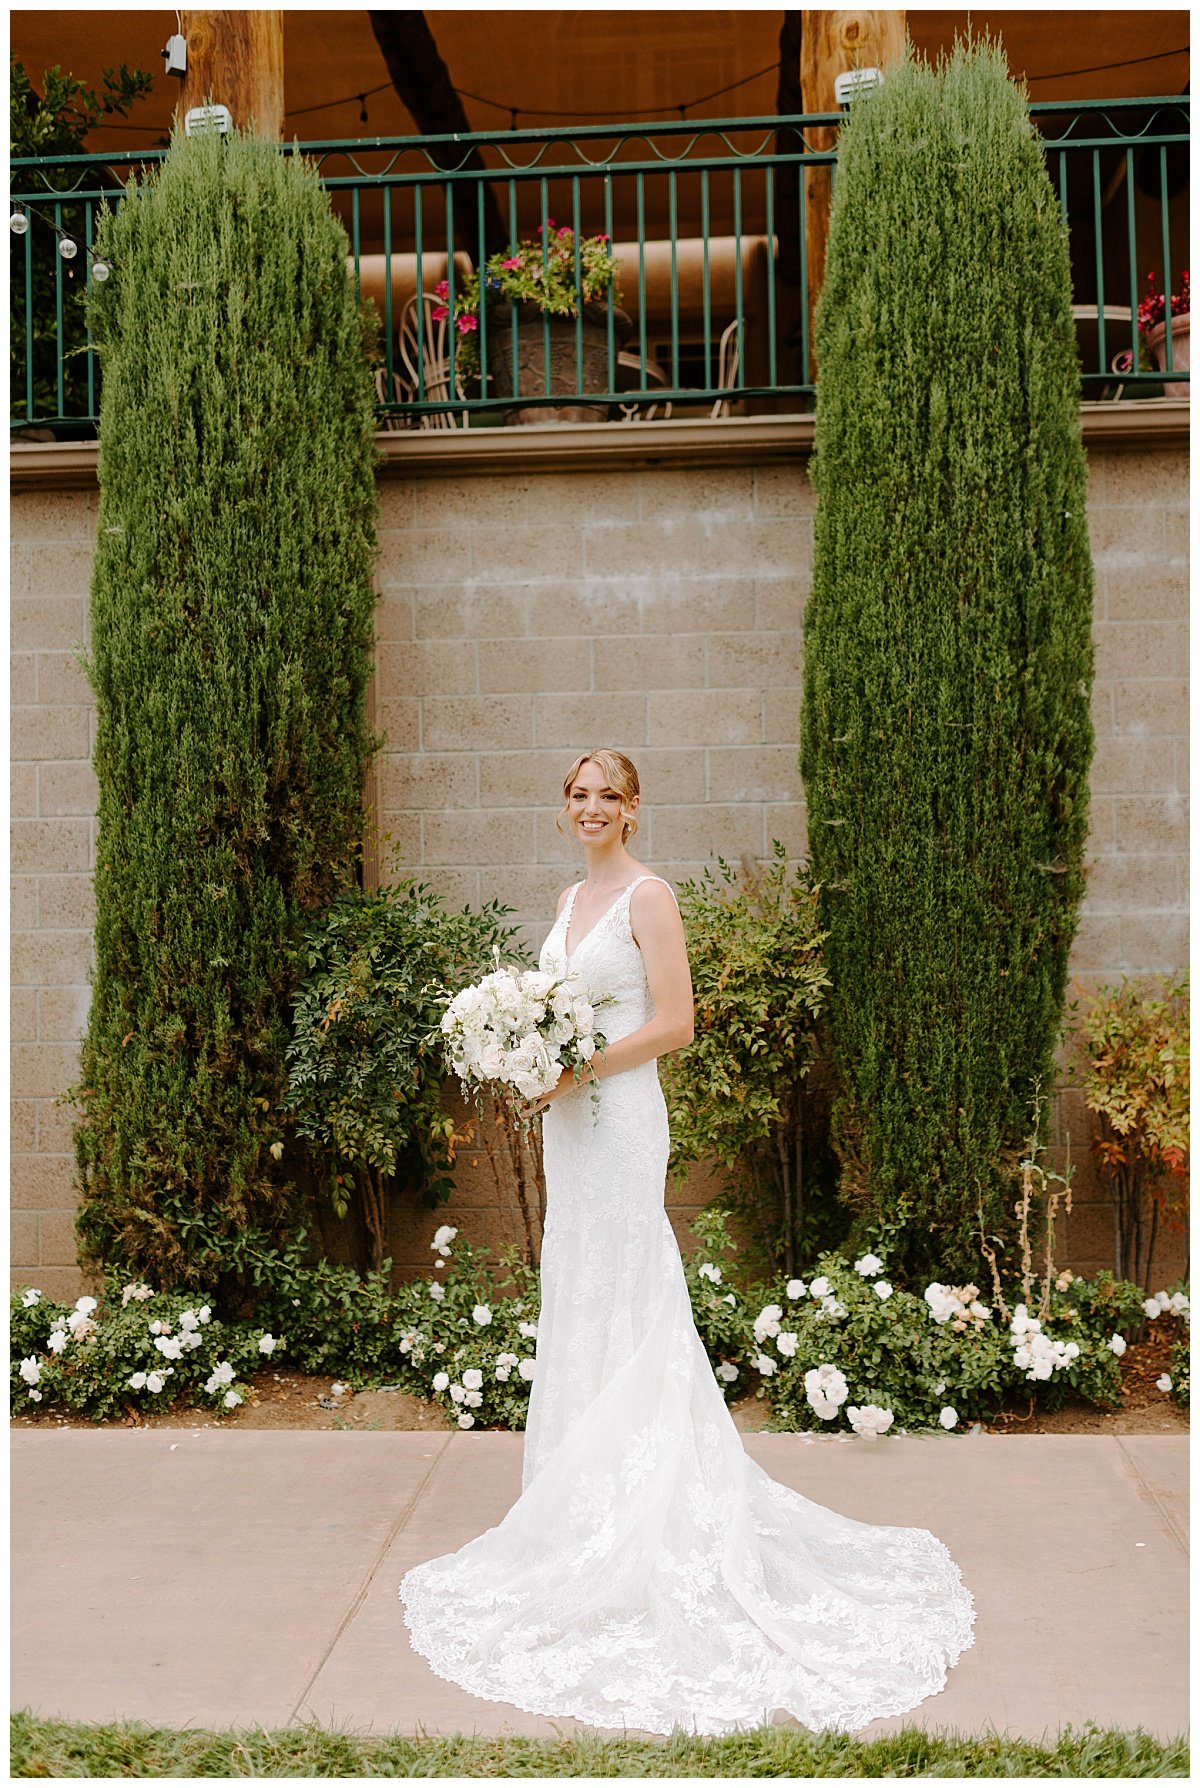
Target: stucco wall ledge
570, 446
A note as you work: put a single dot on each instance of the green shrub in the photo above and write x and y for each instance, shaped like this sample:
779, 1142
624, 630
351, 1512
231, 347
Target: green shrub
946, 729
1138, 1080
735, 1093
232, 604
366, 1067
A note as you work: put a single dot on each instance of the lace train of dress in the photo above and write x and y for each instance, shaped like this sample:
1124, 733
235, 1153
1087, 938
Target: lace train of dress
651, 1574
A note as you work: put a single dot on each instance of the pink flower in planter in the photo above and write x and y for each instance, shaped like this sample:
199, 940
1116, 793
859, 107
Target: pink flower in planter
466, 324
548, 225
565, 231
509, 265
441, 288
439, 313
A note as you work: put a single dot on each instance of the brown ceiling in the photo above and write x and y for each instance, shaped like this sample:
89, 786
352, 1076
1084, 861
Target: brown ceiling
557, 67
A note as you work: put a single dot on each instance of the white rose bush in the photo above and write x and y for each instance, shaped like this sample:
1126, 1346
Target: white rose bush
845, 1349
517, 1029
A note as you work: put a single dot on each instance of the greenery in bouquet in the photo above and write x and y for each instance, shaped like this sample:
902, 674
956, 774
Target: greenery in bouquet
554, 271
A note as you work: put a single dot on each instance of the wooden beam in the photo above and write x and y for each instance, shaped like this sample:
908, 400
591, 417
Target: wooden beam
423, 82
235, 59
831, 43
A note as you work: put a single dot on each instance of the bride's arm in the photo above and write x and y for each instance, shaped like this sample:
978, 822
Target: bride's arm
658, 931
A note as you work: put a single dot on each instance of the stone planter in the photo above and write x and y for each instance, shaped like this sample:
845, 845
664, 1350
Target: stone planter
1156, 342
538, 373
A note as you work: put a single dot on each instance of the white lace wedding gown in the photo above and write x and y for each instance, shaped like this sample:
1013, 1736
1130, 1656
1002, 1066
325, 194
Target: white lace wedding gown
651, 1574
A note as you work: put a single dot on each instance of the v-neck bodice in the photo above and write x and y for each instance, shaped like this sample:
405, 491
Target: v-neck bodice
607, 960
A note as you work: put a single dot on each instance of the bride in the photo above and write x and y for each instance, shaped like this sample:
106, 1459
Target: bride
651, 1575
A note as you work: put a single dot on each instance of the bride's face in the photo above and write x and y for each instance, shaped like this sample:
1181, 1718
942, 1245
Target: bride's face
595, 809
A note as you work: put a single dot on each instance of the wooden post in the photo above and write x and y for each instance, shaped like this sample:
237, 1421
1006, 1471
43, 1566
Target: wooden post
235, 59
831, 43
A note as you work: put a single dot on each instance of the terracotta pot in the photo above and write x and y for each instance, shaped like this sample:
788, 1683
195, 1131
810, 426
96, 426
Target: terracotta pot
538, 372
1156, 342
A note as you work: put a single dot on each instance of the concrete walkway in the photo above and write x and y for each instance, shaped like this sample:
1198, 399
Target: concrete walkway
217, 1579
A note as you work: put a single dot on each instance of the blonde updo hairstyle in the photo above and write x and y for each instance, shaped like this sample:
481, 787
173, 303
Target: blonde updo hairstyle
619, 774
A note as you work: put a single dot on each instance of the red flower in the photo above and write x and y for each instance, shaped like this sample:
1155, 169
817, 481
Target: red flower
466, 324
441, 288
439, 313
510, 264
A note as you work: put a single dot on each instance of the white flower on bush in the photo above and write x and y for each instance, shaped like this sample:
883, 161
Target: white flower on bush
441, 1380
882, 1289
939, 1389
57, 1341
482, 1315
221, 1374
80, 1324
787, 1343
1035, 1353
457, 1393
466, 1419
137, 1290
826, 1390
138, 1381
526, 1369
958, 1305
727, 1371
709, 1271
191, 1339
1117, 1343
1164, 1383
819, 1288
764, 1365
35, 1396
528, 1329
730, 1300
796, 1288
1165, 1303
169, 1346
85, 1306
160, 1328
189, 1320
831, 1308
231, 1399
442, 1239
473, 1379
30, 1370
31, 1298
868, 1266
767, 1323
870, 1419
205, 1314
156, 1380
436, 1291
472, 1399
948, 1417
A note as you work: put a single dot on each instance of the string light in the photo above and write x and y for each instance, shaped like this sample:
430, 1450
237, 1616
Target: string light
18, 223
68, 248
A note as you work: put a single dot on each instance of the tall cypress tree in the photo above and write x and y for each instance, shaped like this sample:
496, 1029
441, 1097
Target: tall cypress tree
232, 603
946, 730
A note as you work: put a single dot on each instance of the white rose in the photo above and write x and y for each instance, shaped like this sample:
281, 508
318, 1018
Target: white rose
948, 1417
267, 1344
1164, 1383
819, 1288
472, 1399
473, 1379
440, 1380
709, 1271
436, 1291
457, 1393
1152, 1307
503, 1373
31, 1298
786, 1343
155, 1381
137, 1382
188, 1320
727, 1371
86, 1305
1117, 1343
870, 1420
30, 1370
205, 1314
868, 1266
35, 1396
57, 1340
764, 1365
466, 1419
482, 1315
796, 1288
529, 1330
169, 1346
587, 1048
882, 1289
231, 1399
526, 1369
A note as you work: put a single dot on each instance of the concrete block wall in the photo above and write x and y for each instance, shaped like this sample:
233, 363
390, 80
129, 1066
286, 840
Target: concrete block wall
525, 615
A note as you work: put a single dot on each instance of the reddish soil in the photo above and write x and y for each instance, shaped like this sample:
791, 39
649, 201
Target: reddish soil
291, 1400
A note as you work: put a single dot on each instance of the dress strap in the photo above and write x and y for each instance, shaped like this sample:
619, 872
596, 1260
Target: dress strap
628, 894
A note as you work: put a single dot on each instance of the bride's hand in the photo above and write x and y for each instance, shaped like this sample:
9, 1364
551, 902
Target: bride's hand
566, 1081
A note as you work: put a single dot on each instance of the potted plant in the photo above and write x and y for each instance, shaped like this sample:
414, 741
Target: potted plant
1152, 327
535, 298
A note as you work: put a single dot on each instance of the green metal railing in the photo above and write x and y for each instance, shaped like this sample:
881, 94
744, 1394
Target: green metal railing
706, 222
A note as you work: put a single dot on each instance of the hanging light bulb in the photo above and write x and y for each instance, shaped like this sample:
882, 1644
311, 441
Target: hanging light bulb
100, 271
67, 249
18, 223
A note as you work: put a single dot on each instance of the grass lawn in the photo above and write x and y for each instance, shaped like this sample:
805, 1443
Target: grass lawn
128, 1748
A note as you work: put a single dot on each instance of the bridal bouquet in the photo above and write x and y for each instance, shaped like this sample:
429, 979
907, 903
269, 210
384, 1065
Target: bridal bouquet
518, 1029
